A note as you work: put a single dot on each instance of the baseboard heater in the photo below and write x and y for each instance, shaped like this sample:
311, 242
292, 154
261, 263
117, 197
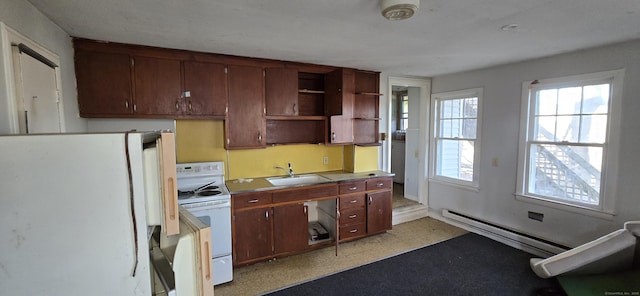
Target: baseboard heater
504, 235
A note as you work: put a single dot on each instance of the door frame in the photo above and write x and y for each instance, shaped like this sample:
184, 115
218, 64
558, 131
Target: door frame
8, 38
423, 139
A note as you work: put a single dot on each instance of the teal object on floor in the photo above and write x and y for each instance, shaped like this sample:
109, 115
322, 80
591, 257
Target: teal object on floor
618, 283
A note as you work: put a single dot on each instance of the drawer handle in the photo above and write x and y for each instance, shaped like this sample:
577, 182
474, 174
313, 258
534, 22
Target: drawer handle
353, 188
353, 216
353, 201
353, 230
380, 184
253, 201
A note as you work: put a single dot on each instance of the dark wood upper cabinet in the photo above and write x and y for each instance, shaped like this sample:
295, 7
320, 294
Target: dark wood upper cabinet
158, 86
339, 92
281, 91
104, 83
205, 89
245, 124
339, 98
366, 108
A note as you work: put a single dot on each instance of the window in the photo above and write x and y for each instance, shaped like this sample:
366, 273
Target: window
568, 132
456, 136
404, 111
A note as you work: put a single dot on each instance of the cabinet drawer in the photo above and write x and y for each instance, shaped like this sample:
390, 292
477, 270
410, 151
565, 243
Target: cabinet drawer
290, 195
353, 216
379, 183
354, 230
247, 200
352, 187
352, 201
323, 190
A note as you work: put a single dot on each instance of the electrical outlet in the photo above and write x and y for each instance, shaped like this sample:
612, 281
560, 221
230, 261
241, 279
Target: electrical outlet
325, 160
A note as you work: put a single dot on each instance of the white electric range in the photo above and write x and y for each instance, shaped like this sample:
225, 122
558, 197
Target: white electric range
202, 192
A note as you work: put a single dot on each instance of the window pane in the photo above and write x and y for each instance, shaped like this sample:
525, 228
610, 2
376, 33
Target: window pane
471, 108
446, 109
596, 99
569, 100
547, 102
455, 159
568, 128
544, 128
569, 173
469, 128
593, 129
405, 106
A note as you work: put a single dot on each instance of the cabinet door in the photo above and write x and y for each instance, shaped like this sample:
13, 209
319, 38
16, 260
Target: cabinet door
290, 226
252, 234
281, 91
340, 130
379, 210
104, 83
340, 92
245, 124
205, 89
157, 86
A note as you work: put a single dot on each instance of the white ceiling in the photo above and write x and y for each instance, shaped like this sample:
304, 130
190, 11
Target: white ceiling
445, 36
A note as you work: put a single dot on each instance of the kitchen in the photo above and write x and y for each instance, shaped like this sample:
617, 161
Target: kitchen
494, 202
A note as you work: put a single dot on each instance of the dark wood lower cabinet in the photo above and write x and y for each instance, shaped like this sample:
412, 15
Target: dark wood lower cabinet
379, 211
253, 235
290, 228
269, 224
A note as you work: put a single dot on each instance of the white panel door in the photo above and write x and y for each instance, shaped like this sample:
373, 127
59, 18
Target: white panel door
37, 95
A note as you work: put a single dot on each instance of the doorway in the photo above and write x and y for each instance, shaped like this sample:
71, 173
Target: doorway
408, 146
33, 85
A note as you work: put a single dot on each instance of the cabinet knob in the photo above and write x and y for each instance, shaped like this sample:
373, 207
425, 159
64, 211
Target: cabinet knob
353, 216
259, 137
126, 104
353, 201
177, 105
190, 108
353, 188
294, 108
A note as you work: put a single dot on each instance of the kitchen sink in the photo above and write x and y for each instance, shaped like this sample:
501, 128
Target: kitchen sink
297, 180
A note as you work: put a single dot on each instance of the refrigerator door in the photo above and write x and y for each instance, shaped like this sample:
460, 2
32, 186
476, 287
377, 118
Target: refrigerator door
190, 256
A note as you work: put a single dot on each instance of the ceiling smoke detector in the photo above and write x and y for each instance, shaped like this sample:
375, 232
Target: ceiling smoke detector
399, 9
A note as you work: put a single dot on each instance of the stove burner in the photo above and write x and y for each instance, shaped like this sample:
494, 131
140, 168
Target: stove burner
209, 192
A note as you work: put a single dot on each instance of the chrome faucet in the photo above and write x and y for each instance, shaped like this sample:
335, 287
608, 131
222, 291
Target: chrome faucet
290, 171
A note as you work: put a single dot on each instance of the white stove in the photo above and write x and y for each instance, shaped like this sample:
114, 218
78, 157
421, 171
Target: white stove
201, 182
202, 192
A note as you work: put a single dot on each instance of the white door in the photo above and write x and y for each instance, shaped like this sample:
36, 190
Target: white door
36, 88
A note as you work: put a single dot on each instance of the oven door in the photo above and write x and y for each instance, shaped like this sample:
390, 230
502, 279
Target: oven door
217, 215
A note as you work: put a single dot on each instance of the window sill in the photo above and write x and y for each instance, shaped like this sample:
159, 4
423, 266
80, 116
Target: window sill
472, 188
566, 207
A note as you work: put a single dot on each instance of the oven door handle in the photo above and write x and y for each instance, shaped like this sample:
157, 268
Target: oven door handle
218, 204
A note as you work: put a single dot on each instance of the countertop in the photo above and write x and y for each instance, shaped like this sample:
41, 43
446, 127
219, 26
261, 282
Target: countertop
261, 184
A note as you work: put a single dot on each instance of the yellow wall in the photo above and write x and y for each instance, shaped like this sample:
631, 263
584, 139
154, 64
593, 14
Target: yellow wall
365, 159
203, 140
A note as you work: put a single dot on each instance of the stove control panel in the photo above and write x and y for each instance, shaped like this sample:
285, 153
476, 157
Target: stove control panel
200, 168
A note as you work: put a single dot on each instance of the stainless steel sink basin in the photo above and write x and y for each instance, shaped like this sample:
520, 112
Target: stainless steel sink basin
297, 180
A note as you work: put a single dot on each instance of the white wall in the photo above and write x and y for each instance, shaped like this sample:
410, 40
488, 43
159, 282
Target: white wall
21, 16
495, 201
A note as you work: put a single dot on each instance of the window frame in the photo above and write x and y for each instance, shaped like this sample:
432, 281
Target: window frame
433, 146
610, 160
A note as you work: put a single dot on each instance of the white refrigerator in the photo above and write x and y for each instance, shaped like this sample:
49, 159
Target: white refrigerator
74, 214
